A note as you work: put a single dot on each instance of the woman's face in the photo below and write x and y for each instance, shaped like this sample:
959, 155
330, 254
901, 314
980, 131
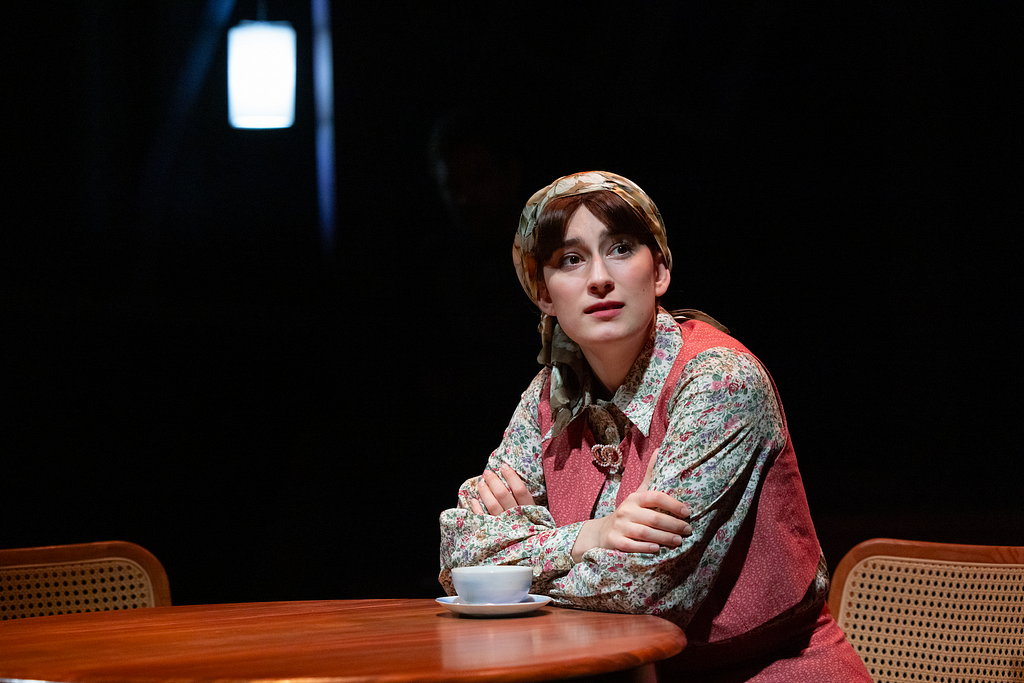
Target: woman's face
602, 286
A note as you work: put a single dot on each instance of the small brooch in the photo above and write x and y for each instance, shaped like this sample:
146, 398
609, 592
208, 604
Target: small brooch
607, 458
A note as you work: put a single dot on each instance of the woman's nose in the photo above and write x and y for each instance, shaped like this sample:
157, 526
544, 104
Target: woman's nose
600, 280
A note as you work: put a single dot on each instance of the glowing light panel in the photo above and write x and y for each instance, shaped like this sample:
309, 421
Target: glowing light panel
261, 74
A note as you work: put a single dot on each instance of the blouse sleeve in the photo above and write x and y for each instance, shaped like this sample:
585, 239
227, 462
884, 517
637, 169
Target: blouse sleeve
724, 425
524, 535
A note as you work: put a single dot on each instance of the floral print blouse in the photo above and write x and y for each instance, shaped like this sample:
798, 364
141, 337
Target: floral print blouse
724, 424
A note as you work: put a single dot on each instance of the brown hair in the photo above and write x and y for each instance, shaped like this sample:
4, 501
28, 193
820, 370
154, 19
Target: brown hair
606, 206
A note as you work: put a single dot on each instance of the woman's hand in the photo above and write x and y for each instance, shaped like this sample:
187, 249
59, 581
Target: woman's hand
496, 497
645, 522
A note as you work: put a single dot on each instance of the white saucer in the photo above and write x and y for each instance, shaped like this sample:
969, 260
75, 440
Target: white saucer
529, 603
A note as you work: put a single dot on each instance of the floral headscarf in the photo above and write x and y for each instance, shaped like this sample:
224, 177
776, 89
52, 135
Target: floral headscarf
579, 183
570, 393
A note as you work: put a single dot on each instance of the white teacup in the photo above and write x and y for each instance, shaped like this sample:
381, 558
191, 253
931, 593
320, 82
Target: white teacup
493, 584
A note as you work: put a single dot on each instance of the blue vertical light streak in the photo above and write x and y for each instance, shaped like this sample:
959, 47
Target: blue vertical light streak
323, 92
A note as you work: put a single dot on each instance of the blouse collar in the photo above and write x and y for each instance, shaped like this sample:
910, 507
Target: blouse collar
637, 397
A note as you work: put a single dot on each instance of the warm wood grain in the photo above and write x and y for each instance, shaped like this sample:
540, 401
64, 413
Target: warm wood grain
351, 640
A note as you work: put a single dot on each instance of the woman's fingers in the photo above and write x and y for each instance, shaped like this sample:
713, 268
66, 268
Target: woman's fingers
497, 497
641, 524
660, 499
487, 497
670, 538
636, 537
515, 484
660, 525
631, 529
628, 545
499, 490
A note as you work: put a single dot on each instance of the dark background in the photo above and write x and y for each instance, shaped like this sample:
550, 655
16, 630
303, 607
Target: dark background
183, 365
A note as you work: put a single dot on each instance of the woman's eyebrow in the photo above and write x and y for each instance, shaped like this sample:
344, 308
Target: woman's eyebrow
576, 241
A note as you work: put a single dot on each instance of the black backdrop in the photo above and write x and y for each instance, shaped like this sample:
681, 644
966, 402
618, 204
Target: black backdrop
184, 367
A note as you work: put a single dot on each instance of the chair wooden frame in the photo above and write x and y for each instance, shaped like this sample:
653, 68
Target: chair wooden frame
919, 611
81, 577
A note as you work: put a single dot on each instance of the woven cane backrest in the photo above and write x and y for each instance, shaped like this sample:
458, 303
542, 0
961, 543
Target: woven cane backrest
38, 582
932, 619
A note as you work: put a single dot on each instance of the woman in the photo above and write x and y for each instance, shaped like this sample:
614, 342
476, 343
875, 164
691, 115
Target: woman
648, 467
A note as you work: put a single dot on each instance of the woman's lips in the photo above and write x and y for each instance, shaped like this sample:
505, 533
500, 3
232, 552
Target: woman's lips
605, 309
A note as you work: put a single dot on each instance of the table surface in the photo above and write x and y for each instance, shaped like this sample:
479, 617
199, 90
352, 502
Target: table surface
342, 640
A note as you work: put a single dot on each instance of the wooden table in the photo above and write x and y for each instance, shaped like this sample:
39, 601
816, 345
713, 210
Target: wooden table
347, 640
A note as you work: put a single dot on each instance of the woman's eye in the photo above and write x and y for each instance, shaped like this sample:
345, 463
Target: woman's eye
570, 260
622, 248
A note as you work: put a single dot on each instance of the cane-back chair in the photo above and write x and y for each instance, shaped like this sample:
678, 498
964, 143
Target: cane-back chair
83, 577
936, 612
